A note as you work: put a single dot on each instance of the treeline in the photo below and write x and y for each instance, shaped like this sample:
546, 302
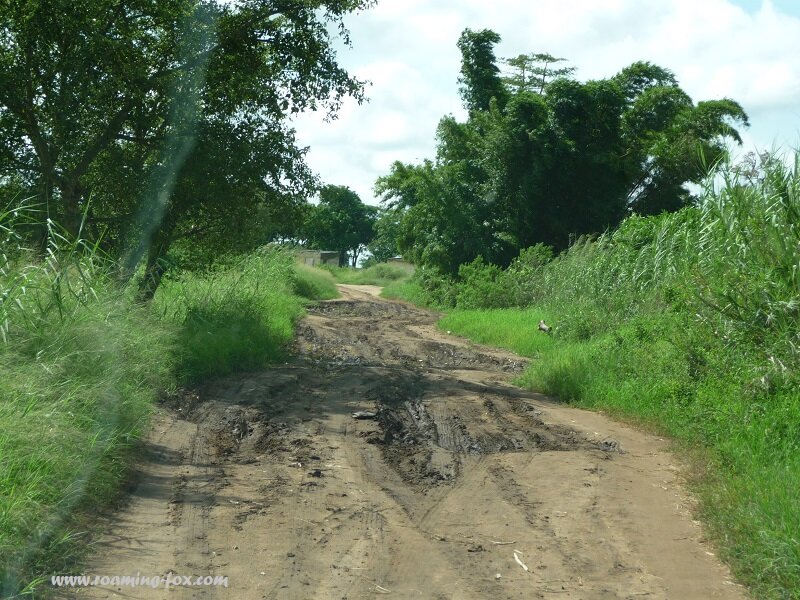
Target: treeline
544, 158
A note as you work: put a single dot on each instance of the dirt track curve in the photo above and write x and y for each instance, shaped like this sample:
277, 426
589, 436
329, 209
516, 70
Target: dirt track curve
459, 486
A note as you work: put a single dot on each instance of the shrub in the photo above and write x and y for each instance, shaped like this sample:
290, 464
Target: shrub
482, 286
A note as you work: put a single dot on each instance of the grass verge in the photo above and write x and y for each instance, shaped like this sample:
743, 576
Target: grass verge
408, 291
314, 284
237, 317
81, 368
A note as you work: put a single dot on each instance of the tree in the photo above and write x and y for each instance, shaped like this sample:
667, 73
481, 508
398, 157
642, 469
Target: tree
387, 231
120, 115
531, 72
480, 78
667, 139
445, 219
341, 222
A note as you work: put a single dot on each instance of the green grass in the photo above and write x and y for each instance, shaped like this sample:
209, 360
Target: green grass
235, 318
512, 329
72, 405
81, 367
382, 274
687, 324
314, 284
408, 291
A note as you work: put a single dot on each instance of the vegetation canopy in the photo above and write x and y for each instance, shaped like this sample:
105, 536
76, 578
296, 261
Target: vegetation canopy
544, 158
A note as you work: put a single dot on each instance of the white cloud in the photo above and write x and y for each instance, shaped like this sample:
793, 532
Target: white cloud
407, 48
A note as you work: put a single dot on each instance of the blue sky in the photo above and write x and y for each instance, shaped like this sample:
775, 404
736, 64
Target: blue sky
747, 50
789, 7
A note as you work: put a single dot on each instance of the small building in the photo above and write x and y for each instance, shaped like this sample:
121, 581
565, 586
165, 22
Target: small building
400, 262
316, 258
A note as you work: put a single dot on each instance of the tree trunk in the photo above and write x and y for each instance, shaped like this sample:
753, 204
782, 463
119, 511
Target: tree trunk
155, 267
41, 233
153, 274
72, 218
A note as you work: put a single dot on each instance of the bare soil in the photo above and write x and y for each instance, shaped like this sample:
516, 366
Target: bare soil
448, 482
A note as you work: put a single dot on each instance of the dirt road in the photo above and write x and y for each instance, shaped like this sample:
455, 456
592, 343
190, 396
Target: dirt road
454, 485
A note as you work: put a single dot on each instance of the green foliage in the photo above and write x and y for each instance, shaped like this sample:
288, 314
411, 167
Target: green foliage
480, 78
686, 323
150, 124
532, 72
749, 250
481, 286
341, 222
387, 231
524, 275
545, 162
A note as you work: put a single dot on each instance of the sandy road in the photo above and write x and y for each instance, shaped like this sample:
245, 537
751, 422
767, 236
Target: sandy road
460, 487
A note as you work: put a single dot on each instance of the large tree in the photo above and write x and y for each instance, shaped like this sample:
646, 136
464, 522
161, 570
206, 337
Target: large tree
153, 121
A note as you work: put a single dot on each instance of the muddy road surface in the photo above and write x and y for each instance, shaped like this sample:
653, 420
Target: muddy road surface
389, 459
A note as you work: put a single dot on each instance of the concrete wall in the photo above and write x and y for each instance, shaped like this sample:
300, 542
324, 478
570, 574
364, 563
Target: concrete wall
316, 258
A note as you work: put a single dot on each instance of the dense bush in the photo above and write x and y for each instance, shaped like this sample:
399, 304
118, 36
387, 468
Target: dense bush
482, 286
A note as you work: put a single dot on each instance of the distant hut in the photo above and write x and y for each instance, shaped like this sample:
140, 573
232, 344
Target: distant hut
316, 258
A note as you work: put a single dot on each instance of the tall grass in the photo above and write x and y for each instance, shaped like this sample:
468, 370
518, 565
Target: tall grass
314, 284
687, 323
79, 370
236, 317
81, 366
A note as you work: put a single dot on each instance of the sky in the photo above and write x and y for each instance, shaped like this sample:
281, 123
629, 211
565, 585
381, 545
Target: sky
747, 50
